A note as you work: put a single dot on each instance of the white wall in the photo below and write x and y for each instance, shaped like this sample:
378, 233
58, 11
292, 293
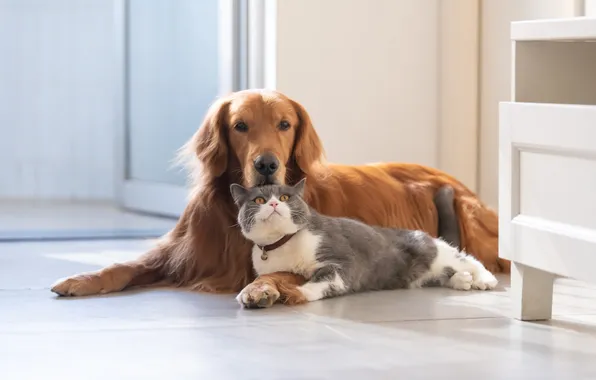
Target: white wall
57, 110
371, 76
459, 57
367, 71
374, 78
496, 16
590, 8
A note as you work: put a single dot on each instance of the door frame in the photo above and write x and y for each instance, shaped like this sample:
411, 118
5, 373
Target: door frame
160, 198
262, 44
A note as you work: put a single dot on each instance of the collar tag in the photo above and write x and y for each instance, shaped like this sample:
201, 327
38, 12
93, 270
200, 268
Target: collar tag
271, 247
264, 255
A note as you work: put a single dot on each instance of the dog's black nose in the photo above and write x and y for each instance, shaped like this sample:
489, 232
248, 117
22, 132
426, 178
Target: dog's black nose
266, 164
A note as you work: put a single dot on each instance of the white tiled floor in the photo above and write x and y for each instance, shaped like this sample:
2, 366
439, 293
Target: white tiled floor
22, 220
175, 334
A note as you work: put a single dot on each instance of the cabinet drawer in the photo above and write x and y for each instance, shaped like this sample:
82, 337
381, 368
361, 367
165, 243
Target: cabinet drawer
547, 187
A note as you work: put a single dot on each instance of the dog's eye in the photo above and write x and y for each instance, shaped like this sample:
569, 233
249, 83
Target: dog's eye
284, 197
241, 127
284, 125
260, 201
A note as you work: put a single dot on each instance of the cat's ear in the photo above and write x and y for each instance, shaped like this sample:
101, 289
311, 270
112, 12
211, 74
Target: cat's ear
299, 187
238, 193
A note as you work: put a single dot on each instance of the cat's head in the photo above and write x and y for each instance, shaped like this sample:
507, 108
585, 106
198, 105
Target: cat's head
267, 213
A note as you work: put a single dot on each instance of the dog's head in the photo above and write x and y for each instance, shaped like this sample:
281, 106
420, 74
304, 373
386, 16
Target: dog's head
260, 135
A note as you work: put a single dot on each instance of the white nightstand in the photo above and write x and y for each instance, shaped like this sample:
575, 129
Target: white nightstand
547, 161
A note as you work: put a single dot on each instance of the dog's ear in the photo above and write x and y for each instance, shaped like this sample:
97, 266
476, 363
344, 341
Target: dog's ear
210, 142
308, 149
238, 193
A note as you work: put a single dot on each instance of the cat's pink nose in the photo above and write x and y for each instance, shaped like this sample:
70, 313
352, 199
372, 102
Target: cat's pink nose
273, 204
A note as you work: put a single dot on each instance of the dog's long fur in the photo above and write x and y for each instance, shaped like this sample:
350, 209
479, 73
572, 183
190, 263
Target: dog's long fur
206, 250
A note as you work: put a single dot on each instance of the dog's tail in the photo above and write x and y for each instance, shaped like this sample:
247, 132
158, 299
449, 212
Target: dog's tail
478, 223
448, 228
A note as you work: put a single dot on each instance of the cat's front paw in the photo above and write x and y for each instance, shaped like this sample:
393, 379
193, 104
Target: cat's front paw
484, 281
255, 296
461, 281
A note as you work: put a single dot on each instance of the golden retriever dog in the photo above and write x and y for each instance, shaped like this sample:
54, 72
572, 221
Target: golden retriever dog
257, 137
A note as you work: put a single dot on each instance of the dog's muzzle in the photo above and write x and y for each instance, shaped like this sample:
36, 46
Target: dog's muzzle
266, 166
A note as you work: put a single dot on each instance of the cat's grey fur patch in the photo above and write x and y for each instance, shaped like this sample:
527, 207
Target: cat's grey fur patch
365, 257
449, 272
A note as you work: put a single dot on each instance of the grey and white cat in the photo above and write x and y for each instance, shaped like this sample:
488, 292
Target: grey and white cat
339, 255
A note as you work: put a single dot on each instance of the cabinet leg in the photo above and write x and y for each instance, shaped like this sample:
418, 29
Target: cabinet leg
531, 292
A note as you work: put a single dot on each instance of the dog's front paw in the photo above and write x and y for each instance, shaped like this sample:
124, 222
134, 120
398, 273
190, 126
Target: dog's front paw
258, 296
80, 285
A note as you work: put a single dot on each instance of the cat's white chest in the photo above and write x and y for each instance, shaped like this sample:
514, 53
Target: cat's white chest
298, 255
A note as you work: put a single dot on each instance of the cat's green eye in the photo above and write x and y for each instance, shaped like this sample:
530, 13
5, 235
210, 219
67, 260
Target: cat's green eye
260, 201
284, 197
